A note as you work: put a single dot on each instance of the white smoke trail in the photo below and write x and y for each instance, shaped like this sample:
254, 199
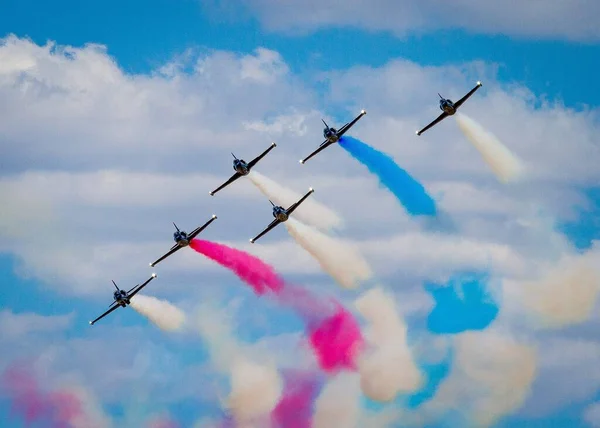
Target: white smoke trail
566, 294
166, 316
340, 259
255, 388
501, 160
310, 211
389, 368
491, 377
338, 404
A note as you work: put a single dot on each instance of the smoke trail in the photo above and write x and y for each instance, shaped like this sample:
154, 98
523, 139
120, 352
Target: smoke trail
339, 259
295, 407
566, 294
334, 333
338, 405
255, 390
163, 422
59, 408
311, 211
463, 303
162, 313
500, 159
406, 189
253, 271
389, 368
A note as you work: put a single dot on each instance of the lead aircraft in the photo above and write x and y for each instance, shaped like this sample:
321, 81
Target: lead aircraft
449, 108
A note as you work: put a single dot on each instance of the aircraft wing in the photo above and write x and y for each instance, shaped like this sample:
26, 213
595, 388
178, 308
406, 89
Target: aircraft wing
268, 229
466, 97
259, 157
349, 125
104, 314
323, 146
297, 204
435, 122
137, 288
197, 231
173, 249
227, 183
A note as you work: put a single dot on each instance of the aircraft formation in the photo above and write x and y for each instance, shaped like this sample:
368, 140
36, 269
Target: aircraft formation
122, 298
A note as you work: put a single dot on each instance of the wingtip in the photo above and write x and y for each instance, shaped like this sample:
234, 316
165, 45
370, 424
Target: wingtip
153, 275
479, 83
211, 193
310, 189
90, 323
417, 132
252, 241
273, 144
301, 161
151, 264
363, 111
214, 216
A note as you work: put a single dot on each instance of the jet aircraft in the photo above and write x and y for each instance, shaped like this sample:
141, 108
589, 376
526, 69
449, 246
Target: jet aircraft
333, 135
122, 298
449, 108
242, 168
281, 215
182, 239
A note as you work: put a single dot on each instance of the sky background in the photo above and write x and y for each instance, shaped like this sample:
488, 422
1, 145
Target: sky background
104, 146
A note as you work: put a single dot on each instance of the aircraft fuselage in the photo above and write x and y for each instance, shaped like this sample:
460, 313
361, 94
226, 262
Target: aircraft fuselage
447, 106
181, 238
121, 298
280, 214
331, 135
240, 166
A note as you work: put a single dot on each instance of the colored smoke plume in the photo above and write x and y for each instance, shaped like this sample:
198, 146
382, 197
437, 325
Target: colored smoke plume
334, 333
411, 194
387, 368
162, 422
500, 159
294, 410
566, 294
163, 314
253, 271
310, 211
71, 407
340, 259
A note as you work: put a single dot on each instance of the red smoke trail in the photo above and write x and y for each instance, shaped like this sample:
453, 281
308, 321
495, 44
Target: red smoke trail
253, 271
295, 407
34, 405
334, 333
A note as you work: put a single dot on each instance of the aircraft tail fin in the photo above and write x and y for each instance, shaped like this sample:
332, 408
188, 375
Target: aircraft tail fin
176, 227
234, 156
116, 286
271, 202
325, 123
440, 96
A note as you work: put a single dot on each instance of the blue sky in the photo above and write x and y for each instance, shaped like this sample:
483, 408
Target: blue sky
143, 36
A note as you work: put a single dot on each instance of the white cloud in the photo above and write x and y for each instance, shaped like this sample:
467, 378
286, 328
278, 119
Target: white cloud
13, 325
555, 19
592, 415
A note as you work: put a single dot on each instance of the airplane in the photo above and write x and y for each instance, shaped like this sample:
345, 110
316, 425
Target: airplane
333, 135
242, 168
183, 239
449, 108
122, 298
281, 215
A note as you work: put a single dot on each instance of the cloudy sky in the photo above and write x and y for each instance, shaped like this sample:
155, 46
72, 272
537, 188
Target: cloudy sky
117, 119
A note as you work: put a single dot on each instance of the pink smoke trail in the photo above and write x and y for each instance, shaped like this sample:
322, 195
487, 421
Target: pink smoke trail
335, 335
295, 407
253, 271
33, 405
163, 422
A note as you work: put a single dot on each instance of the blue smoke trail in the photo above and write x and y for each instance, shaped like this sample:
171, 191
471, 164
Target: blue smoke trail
408, 191
453, 313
